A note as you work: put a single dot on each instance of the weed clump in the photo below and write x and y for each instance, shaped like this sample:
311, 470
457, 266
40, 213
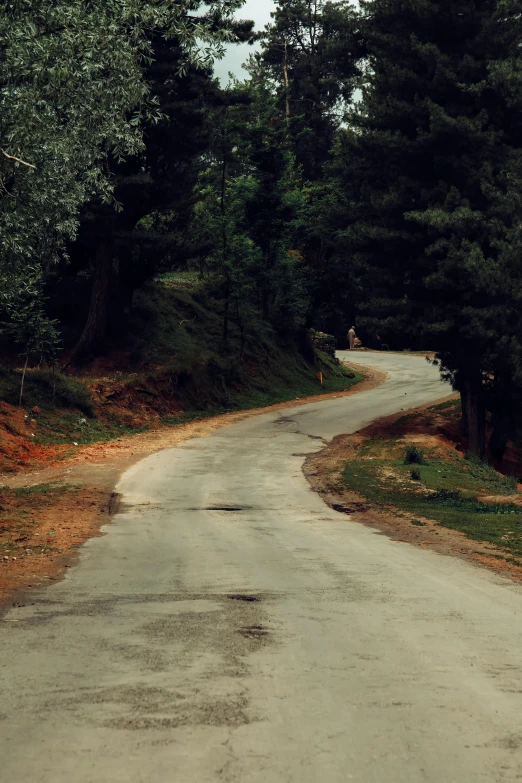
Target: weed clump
481, 471
45, 390
446, 496
414, 456
415, 474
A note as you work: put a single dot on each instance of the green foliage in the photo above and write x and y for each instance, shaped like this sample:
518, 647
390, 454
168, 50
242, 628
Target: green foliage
74, 96
250, 212
27, 325
447, 494
414, 456
311, 58
429, 174
65, 427
480, 471
310, 54
181, 331
46, 390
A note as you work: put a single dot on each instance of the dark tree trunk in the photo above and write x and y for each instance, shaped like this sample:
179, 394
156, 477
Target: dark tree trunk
498, 442
464, 426
226, 318
94, 329
476, 416
241, 329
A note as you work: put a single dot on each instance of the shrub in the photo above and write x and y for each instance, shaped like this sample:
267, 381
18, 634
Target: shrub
447, 496
415, 474
414, 456
45, 391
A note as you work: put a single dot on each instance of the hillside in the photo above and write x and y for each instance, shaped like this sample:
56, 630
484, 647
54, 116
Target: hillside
169, 365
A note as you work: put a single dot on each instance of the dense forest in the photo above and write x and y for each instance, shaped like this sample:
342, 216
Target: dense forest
367, 170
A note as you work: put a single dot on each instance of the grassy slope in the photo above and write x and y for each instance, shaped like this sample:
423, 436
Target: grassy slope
171, 367
448, 490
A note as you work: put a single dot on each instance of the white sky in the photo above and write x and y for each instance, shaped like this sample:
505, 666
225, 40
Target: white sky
259, 11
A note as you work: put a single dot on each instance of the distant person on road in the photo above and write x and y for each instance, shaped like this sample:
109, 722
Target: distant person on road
351, 338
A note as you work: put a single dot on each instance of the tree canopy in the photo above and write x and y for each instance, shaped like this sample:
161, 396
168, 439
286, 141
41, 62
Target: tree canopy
73, 97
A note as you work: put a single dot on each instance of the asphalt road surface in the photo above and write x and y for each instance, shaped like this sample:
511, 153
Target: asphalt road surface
231, 627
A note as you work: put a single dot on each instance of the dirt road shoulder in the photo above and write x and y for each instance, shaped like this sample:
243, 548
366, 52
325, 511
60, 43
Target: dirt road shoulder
426, 428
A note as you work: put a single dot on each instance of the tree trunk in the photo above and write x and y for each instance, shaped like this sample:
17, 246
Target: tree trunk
23, 380
226, 314
94, 329
498, 442
241, 329
464, 426
287, 84
476, 416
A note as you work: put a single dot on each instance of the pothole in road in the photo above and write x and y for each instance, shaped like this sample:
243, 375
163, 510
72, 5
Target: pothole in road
247, 598
222, 508
226, 508
254, 632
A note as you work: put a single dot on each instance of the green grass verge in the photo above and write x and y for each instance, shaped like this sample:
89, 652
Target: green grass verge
70, 428
447, 492
44, 390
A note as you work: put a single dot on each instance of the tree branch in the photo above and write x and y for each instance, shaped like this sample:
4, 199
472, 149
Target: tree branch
18, 160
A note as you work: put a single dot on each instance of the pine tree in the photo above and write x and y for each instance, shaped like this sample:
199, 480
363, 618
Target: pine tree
431, 173
311, 52
250, 211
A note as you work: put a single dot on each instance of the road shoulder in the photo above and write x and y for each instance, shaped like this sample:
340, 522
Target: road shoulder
325, 473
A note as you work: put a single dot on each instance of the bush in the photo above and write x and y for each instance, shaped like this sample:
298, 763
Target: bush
414, 456
447, 496
415, 474
38, 390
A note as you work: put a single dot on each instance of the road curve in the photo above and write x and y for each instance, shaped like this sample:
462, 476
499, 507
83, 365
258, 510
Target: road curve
232, 628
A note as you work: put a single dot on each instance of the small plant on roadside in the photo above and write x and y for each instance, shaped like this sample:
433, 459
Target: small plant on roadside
447, 496
470, 457
415, 474
418, 523
414, 456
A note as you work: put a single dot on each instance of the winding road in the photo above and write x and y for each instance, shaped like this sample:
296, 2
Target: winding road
230, 627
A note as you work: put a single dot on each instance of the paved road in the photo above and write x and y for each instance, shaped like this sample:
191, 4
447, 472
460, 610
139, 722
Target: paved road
231, 627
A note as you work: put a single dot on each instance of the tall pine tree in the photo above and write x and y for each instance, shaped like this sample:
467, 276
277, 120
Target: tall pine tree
430, 171
311, 51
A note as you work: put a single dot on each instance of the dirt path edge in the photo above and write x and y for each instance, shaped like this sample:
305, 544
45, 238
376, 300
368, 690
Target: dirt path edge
323, 471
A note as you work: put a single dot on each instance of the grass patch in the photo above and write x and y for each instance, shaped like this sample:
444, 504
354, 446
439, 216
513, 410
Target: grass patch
19, 516
447, 491
68, 428
451, 406
44, 391
35, 491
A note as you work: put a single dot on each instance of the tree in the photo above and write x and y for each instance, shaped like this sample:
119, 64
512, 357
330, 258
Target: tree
74, 97
431, 175
155, 192
310, 51
250, 209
